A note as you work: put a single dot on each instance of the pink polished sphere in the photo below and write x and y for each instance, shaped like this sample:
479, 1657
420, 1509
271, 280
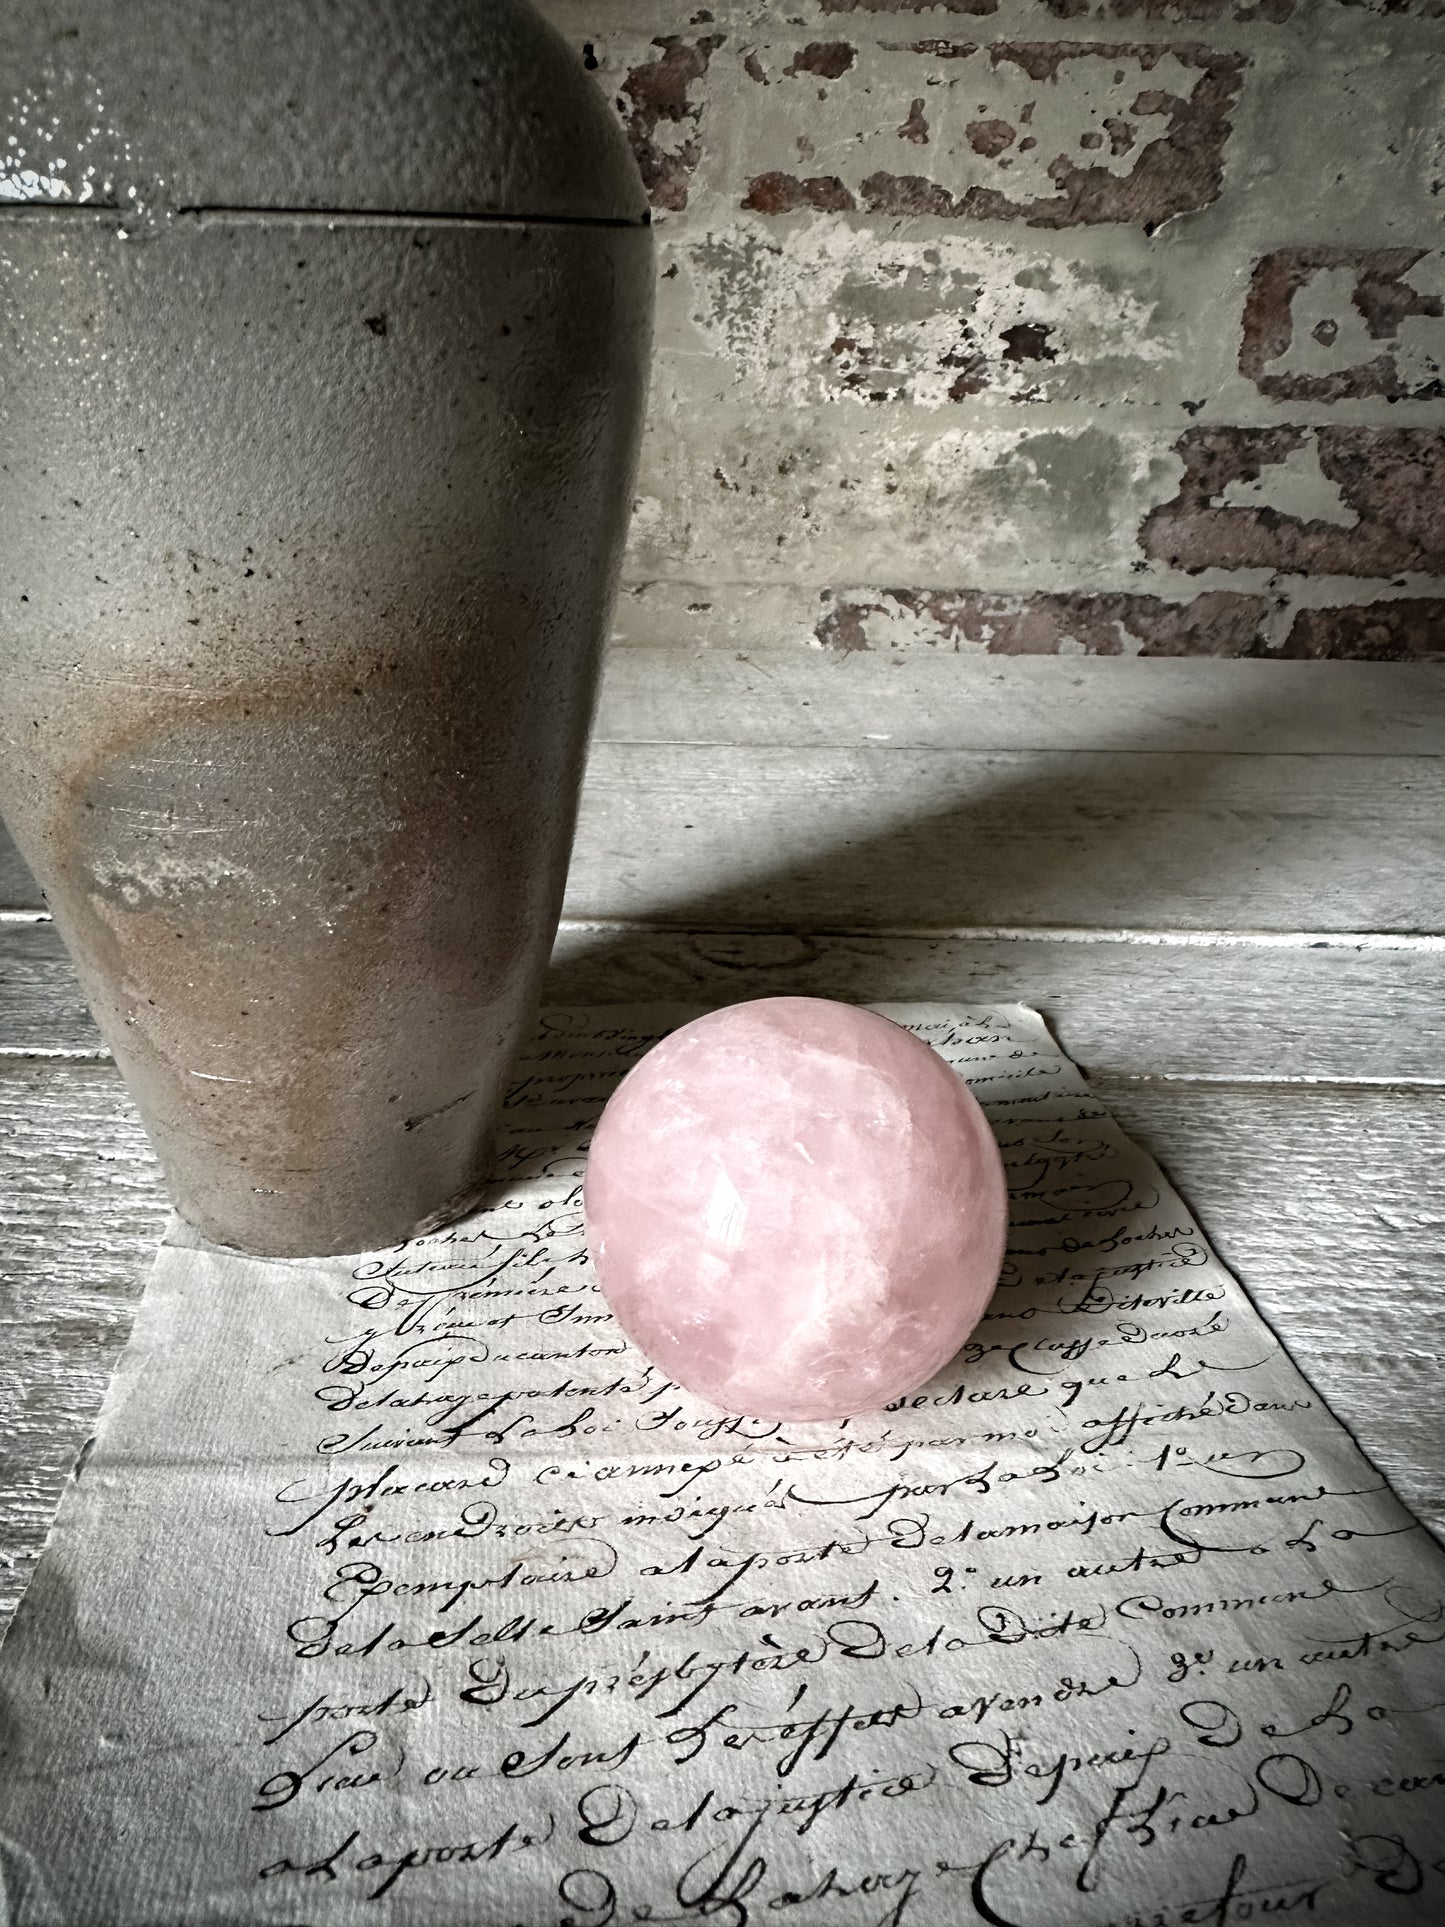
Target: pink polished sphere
795, 1208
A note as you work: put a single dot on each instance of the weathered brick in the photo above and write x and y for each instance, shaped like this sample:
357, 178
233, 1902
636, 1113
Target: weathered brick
1420, 9
844, 393
1175, 12
1220, 623
829, 59
661, 107
824, 312
779, 193
1056, 134
1409, 630
1328, 323
1334, 501
760, 494
732, 616
908, 6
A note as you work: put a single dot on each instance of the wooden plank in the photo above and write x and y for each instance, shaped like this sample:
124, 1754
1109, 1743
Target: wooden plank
42, 1011
1281, 1174
871, 837
81, 1200
867, 838
81, 1209
1166, 1009
1325, 1203
1159, 1009
982, 818
1319, 1197
940, 700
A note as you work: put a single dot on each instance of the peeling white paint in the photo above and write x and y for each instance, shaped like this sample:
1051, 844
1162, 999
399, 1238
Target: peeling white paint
1296, 487
804, 501
988, 122
1420, 339
816, 311
1327, 329
889, 623
1328, 332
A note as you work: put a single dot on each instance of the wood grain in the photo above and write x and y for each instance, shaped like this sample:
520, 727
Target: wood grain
926, 699
81, 1210
797, 790
868, 838
1166, 1009
1326, 1204
861, 838
1173, 1010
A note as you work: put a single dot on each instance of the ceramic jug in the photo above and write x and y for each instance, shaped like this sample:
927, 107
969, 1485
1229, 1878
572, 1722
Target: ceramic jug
323, 340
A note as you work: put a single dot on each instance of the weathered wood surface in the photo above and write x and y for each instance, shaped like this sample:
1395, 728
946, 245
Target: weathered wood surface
1326, 1203
81, 1209
925, 699
798, 790
1336, 1010
876, 836
1166, 813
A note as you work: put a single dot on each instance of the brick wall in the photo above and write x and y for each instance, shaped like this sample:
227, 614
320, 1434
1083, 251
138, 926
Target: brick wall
1035, 326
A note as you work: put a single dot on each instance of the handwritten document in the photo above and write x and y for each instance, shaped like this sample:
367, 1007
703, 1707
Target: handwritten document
399, 1589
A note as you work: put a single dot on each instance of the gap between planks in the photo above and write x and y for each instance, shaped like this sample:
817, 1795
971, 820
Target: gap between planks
1185, 939
39, 1054
1334, 1015
1419, 940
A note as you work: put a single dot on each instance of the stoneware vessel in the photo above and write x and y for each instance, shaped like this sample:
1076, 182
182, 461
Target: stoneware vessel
323, 338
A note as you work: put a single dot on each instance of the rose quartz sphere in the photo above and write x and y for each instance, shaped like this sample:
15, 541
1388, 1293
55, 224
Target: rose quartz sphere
795, 1208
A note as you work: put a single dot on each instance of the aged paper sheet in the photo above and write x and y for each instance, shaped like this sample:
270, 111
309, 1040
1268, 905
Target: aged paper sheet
398, 1589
